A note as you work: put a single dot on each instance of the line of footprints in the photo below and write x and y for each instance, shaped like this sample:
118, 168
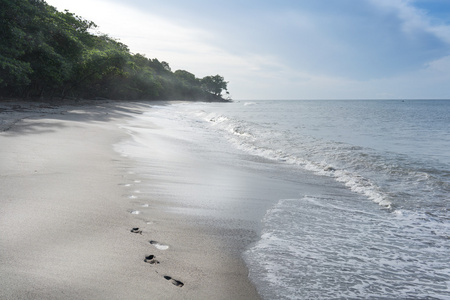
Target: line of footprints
151, 259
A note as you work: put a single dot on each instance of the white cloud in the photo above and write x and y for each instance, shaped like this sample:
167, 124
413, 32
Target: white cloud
415, 19
143, 32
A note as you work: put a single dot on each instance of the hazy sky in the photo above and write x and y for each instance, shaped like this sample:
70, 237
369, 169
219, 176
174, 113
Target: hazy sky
290, 49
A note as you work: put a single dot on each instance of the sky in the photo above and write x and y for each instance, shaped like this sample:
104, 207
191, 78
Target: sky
290, 49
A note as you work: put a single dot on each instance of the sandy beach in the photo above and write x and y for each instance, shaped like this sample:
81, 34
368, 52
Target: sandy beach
69, 225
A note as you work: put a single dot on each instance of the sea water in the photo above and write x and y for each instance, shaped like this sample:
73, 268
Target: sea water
377, 226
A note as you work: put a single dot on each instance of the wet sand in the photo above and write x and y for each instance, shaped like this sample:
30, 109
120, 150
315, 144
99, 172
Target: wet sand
69, 222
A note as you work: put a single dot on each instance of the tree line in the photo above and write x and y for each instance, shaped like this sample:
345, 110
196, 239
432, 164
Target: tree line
45, 53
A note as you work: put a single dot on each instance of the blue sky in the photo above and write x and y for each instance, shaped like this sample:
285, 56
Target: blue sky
291, 49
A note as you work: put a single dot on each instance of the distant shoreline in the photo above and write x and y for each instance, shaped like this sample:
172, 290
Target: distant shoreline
14, 109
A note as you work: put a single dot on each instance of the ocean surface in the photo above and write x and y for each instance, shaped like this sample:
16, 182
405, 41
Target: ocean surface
375, 222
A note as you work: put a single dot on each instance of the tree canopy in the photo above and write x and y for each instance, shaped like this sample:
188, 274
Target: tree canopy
214, 84
47, 53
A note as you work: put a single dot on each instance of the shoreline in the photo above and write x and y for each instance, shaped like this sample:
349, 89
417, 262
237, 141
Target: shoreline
66, 217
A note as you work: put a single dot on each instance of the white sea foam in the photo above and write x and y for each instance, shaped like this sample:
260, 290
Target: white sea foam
323, 248
248, 143
213, 118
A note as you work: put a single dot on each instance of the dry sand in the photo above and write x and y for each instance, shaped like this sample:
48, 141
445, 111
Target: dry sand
65, 218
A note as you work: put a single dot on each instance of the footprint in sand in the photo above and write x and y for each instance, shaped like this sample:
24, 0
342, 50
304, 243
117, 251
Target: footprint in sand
151, 259
136, 230
159, 246
174, 281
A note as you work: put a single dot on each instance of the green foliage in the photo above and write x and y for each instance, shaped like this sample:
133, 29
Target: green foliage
47, 53
214, 84
15, 17
186, 77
